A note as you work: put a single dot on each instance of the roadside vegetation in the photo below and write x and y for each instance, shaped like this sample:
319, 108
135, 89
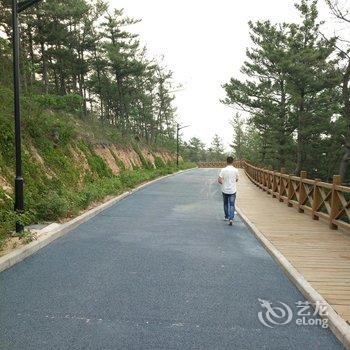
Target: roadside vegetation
97, 112
59, 185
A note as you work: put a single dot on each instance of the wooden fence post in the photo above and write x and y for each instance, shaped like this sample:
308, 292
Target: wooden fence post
274, 182
335, 202
316, 200
290, 190
265, 180
269, 182
302, 192
280, 192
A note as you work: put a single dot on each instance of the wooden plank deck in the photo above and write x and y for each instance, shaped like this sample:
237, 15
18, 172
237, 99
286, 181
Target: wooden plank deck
320, 254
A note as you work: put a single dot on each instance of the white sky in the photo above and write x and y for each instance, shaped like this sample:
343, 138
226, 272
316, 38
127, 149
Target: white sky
203, 43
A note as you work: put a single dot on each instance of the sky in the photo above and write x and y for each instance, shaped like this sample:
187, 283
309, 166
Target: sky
204, 44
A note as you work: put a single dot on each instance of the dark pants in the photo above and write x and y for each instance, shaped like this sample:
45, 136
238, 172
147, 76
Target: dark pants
229, 205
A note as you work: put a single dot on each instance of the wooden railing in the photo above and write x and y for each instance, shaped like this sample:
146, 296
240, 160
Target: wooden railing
328, 201
237, 164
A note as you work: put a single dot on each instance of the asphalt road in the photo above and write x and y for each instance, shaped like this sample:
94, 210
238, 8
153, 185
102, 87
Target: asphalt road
158, 270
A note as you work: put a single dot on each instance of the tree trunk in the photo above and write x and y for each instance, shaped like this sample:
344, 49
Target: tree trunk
31, 54
345, 161
57, 88
44, 67
282, 130
301, 136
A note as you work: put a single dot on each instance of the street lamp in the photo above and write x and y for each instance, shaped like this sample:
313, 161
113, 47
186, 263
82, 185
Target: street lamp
17, 8
178, 128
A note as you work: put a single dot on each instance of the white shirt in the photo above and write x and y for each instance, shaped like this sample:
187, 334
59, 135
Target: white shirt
229, 177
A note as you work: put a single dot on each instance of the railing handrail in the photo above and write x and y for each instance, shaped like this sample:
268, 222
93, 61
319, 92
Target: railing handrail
237, 164
328, 201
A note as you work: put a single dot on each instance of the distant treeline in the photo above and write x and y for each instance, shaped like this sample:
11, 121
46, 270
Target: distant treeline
195, 150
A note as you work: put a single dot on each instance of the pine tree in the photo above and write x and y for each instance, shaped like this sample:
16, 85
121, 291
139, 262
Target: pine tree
195, 150
217, 148
290, 92
341, 12
239, 139
263, 95
311, 79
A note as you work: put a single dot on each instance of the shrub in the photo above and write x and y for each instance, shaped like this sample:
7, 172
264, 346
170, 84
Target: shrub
52, 207
145, 163
71, 103
95, 162
159, 163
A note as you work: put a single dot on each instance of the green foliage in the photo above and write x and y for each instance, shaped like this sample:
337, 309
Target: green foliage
119, 162
96, 163
49, 131
6, 64
216, 150
290, 93
159, 162
6, 96
51, 207
79, 57
145, 163
56, 185
8, 217
71, 103
85, 80
195, 150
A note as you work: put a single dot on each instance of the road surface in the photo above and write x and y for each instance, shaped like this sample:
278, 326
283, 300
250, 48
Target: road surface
158, 270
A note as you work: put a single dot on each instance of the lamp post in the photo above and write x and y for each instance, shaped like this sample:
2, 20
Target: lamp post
17, 8
178, 128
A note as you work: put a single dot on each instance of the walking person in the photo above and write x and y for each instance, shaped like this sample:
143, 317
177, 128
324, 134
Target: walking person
228, 178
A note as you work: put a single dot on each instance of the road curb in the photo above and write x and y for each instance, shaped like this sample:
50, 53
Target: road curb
46, 237
336, 323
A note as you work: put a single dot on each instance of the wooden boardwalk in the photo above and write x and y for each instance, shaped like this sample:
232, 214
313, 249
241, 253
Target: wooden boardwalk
320, 254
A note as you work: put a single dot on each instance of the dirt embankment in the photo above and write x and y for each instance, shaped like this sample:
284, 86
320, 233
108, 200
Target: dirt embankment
116, 157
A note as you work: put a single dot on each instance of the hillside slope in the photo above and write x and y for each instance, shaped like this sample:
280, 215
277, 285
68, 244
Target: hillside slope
68, 163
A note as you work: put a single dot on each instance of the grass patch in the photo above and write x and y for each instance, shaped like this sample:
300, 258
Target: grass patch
67, 201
